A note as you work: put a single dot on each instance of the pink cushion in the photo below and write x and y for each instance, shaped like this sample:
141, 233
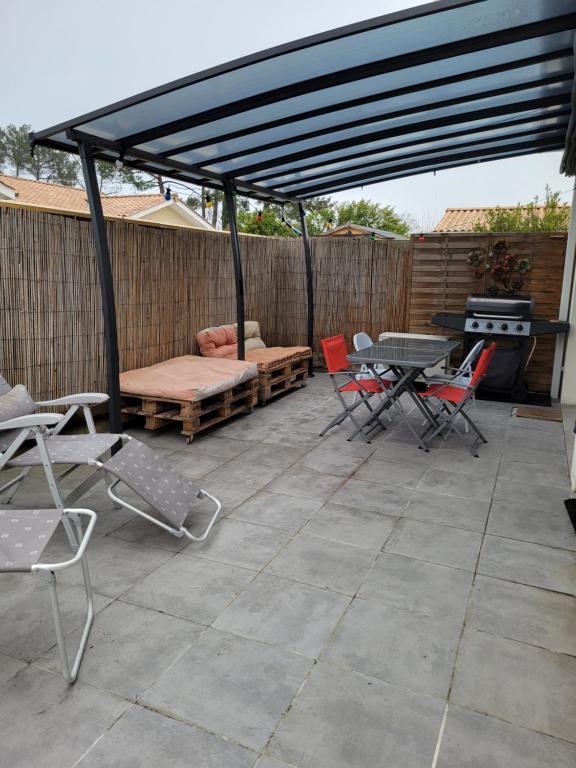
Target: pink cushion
212, 339
226, 350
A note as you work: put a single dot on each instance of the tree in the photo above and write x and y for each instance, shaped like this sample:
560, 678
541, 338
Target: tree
551, 217
264, 222
15, 149
367, 213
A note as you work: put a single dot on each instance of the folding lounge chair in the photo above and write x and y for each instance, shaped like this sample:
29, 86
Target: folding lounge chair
453, 399
24, 534
335, 354
169, 494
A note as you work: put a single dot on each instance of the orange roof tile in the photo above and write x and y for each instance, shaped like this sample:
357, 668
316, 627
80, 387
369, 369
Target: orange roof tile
465, 219
73, 199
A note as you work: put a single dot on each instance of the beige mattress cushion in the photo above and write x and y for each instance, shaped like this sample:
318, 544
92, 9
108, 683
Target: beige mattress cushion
187, 378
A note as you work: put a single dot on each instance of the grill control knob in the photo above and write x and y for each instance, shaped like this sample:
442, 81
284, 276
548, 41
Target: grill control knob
519, 327
475, 324
489, 326
504, 327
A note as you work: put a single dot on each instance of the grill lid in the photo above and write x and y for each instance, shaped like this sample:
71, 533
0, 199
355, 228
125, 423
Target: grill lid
499, 306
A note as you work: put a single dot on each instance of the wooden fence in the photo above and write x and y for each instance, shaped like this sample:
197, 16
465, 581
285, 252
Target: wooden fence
442, 279
169, 284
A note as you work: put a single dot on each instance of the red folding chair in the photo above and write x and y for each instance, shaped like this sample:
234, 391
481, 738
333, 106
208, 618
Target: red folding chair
452, 398
336, 356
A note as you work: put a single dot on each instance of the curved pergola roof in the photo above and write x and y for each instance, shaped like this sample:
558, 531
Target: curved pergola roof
438, 86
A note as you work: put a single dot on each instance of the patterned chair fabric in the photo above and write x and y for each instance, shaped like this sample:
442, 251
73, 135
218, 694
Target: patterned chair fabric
68, 449
24, 534
167, 492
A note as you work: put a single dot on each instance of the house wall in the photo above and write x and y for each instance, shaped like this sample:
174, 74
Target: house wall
169, 215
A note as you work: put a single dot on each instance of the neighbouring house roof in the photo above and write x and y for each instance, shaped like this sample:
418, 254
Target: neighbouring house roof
357, 230
466, 219
61, 198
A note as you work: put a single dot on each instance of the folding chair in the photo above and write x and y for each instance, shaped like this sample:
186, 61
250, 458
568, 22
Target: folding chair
335, 354
93, 450
453, 399
24, 535
460, 375
362, 341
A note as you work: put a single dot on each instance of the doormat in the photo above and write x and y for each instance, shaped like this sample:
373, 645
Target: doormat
537, 412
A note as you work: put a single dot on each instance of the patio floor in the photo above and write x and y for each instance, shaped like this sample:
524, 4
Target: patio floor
359, 606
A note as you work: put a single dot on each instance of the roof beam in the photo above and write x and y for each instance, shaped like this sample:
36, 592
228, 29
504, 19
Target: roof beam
352, 74
258, 178
466, 99
380, 96
439, 122
448, 165
206, 178
302, 183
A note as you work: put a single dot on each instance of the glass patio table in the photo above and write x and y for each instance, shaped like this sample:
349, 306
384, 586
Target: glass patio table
408, 359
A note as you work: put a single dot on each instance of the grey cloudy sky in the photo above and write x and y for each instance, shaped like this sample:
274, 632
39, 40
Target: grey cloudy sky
62, 58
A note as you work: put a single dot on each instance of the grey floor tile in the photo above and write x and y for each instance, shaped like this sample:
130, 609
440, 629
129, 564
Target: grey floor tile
329, 460
458, 484
448, 510
433, 543
215, 444
545, 442
238, 543
141, 531
129, 648
373, 497
531, 564
281, 456
9, 666
532, 453
551, 526
46, 723
348, 448
195, 464
485, 464
282, 612
277, 510
116, 565
349, 525
472, 740
345, 720
523, 685
148, 740
390, 450
536, 616
413, 585
403, 648
306, 484
230, 686
518, 493
270, 762
230, 493
191, 588
391, 473
243, 473
535, 473
27, 628
321, 563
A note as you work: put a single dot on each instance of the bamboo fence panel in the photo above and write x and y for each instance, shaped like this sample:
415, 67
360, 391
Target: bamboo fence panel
169, 284
442, 279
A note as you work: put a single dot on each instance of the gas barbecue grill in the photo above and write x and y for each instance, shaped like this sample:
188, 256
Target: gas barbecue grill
508, 320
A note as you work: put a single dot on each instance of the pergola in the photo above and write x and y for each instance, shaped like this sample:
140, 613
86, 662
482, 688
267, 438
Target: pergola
438, 86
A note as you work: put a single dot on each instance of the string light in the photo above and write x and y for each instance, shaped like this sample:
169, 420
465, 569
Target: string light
209, 202
259, 216
168, 194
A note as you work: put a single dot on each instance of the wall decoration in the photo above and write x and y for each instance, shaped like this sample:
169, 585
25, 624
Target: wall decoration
505, 270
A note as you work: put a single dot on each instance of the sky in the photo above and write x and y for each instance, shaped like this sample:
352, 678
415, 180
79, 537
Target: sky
65, 57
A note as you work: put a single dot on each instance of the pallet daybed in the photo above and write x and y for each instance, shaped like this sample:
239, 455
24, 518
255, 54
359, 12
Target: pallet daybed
279, 368
198, 392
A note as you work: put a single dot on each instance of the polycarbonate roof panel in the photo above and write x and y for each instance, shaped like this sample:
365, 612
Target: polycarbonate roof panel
305, 115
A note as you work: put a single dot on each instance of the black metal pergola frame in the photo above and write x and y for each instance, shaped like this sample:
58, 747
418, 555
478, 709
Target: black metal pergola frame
437, 86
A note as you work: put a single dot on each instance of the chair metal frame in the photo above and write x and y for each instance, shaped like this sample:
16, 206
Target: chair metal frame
79, 541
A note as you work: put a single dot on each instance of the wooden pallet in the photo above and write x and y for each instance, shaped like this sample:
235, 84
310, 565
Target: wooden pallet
538, 412
282, 377
195, 415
